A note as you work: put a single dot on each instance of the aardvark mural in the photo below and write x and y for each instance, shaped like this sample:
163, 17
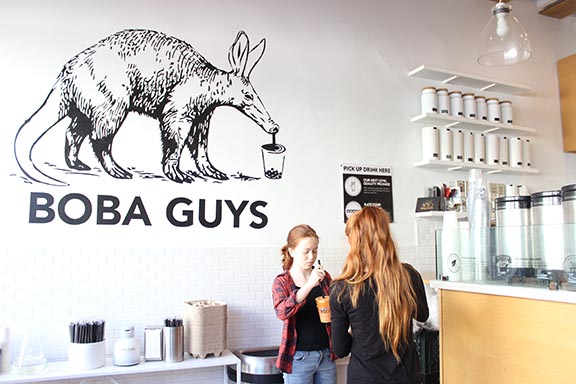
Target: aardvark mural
157, 75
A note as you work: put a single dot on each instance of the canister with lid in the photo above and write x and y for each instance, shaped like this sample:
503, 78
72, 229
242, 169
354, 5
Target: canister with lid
513, 236
492, 150
469, 105
479, 148
468, 146
456, 103
429, 100
446, 144
458, 139
515, 155
430, 143
503, 147
526, 153
443, 101
481, 108
569, 208
547, 230
493, 109
506, 112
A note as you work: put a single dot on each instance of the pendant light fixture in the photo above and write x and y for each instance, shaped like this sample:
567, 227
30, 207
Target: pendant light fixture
503, 40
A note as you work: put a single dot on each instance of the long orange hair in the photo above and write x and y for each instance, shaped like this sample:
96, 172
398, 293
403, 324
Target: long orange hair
372, 256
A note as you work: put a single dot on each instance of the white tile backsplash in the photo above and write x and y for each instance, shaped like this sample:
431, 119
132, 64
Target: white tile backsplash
47, 288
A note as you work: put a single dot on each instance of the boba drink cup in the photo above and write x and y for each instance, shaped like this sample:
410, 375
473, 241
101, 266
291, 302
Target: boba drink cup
323, 304
273, 160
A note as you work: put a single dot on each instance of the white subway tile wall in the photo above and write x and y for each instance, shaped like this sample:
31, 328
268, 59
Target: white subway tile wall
45, 289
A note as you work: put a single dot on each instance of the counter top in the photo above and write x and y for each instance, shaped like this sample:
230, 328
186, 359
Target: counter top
497, 288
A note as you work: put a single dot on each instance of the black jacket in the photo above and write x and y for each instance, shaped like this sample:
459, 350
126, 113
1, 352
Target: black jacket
370, 362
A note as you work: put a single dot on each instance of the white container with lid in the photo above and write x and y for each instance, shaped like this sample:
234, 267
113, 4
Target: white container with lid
126, 348
443, 101
429, 100
430, 143
456, 103
469, 105
481, 108
458, 139
493, 109
506, 112
446, 144
526, 154
479, 148
492, 150
515, 151
503, 151
468, 147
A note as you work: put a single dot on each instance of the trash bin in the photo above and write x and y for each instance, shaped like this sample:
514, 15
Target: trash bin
258, 365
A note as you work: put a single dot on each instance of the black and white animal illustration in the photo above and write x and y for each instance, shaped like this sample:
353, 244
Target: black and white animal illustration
149, 73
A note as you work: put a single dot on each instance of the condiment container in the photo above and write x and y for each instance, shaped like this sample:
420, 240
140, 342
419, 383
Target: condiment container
493, 109
515, 151
506, 112
429, 100
443, 101
503, 151
126, 348
458, 139
446, 144
468, 146
456, 103
481, 108
430, 143
479, 148
469, 105
492, 150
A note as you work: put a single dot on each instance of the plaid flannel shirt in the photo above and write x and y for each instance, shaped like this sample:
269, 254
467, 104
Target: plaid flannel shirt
284, 295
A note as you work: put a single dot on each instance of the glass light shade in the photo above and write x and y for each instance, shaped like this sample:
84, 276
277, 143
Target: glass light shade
503, 40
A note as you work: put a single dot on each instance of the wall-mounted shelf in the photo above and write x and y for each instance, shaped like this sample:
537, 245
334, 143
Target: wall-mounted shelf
461, 166
451, 77
439, 215
61, 370
437, 119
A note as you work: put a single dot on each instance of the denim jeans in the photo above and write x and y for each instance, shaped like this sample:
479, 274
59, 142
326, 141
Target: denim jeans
312, 367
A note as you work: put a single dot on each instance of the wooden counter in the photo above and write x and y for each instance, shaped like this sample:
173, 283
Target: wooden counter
502, 334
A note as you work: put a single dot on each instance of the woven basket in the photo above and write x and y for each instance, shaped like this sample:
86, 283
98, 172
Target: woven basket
205, 327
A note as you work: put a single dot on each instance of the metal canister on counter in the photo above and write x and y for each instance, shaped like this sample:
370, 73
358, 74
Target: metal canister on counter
547, 233
513, 237
569, 209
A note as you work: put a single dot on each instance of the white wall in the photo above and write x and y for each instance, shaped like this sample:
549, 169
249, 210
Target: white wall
334, 77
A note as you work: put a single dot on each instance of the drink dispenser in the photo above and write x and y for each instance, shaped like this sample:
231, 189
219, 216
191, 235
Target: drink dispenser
513, 237
569, 208
547, 233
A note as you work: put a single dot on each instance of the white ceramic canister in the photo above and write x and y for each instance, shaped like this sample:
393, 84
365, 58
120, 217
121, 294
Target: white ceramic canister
479, 148
481, 108
493, 109
446, 144
492, 150
458, 139
429, 100
468, 146
515, 151
526, 155
469, 105
443, 101
456, 103
511, 190
506, 112
503, 151
430, 143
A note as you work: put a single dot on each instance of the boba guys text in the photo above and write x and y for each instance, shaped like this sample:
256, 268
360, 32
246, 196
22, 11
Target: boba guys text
76, 209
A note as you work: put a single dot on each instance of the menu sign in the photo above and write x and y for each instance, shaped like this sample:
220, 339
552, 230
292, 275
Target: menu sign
365, 186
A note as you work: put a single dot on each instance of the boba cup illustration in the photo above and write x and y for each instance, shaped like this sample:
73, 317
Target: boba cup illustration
273, 160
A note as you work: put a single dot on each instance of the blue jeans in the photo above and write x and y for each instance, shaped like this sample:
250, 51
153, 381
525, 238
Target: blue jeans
312, 367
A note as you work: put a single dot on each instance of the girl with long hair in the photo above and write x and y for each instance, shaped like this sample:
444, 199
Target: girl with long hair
373, 303
305, 355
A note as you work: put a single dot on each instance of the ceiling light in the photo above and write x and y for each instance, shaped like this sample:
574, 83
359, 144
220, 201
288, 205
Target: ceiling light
503, 40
